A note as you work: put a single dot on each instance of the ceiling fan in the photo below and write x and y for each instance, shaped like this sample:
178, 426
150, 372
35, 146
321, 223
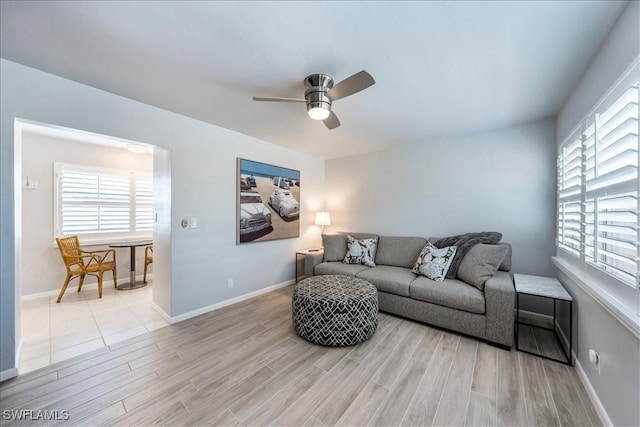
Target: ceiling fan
321, 93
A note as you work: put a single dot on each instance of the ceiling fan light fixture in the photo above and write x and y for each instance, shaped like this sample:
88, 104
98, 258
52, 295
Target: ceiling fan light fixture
320, 94
318, 112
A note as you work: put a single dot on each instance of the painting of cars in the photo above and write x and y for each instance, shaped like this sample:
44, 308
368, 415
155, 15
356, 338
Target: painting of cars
283, 202
254, 215
268, 202
244, 186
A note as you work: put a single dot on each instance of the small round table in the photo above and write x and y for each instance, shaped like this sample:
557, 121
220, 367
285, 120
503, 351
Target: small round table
335, 310
132, 262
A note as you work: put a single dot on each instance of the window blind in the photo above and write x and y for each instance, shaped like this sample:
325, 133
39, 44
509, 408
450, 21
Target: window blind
598, 187
96, 203
569, 196
611, 187
144, 203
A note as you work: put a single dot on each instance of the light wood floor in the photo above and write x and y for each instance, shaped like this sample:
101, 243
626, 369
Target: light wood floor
244, 365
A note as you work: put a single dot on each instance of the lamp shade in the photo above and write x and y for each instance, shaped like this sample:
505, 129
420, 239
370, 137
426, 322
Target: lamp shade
323, 218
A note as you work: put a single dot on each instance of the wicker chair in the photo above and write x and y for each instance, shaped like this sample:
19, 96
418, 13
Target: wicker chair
148, 259
80, 263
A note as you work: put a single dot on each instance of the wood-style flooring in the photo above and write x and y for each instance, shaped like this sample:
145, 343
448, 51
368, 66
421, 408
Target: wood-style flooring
244, 365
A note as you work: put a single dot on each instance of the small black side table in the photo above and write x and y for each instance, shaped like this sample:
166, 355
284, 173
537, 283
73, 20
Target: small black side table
304, 253
545, 287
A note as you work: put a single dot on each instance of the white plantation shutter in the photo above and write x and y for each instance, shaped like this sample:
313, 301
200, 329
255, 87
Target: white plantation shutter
598, 207
102, 203
569, 196
144, 203
611, 187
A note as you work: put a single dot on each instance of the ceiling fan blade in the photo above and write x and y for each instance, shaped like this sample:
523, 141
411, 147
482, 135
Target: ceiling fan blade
350, 85
257, 98
332, 121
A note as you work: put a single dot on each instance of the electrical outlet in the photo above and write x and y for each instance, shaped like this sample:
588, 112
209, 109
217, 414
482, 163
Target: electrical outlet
230, 283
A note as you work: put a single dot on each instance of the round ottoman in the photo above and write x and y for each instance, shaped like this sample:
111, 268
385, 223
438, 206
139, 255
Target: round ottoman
335, 310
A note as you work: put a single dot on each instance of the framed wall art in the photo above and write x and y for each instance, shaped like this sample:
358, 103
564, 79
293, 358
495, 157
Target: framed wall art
268, 202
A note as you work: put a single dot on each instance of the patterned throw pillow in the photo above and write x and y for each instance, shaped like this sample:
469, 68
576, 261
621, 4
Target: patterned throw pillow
361, 251
433, 262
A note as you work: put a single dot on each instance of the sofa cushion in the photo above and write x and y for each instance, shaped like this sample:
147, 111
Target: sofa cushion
361, 251
399, 251
433, 262
480, 263
335, 246
393, 280
337, 267
506, 262
450, 293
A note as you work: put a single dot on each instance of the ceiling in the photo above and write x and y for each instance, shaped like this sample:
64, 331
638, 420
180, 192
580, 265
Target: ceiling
441, 68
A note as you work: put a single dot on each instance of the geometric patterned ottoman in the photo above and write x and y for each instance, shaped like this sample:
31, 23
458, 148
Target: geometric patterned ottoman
335, 310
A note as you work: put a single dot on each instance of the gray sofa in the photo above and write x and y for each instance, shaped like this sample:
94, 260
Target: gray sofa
452, 304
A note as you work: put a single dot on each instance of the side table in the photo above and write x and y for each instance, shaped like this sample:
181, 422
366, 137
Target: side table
545, 287
304, 253
132, 284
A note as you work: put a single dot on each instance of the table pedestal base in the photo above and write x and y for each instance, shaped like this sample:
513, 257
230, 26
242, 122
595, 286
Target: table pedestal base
128, 286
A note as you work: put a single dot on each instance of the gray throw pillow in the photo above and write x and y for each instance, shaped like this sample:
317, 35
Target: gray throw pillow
335, 246
481, 263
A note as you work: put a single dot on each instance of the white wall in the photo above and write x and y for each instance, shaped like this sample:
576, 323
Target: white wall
42, 267
203, 183
502, 180
618, 384
619, 49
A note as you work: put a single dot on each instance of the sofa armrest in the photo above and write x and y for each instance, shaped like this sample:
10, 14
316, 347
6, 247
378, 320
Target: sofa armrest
499, 294
310, 262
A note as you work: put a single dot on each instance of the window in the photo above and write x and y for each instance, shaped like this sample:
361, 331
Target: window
598, 186
102, 204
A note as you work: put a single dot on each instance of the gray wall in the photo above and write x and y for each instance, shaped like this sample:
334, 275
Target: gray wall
618, 385
619, 49
503, 180
203, 185
42, 268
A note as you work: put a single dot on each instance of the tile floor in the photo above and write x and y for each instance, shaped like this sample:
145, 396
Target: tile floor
82, 322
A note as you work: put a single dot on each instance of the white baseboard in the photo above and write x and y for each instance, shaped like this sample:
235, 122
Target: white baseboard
55, 292
8, 373
536, 316
19, 353
602, 413
161, 312
216, 306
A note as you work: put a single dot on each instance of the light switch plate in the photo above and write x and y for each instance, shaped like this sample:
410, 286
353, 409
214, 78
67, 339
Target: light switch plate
194, 222
30, 184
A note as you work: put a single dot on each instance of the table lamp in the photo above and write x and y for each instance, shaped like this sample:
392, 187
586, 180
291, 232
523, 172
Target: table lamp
323, 218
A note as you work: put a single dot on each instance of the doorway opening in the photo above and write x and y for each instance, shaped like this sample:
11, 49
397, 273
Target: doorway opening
73, 182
